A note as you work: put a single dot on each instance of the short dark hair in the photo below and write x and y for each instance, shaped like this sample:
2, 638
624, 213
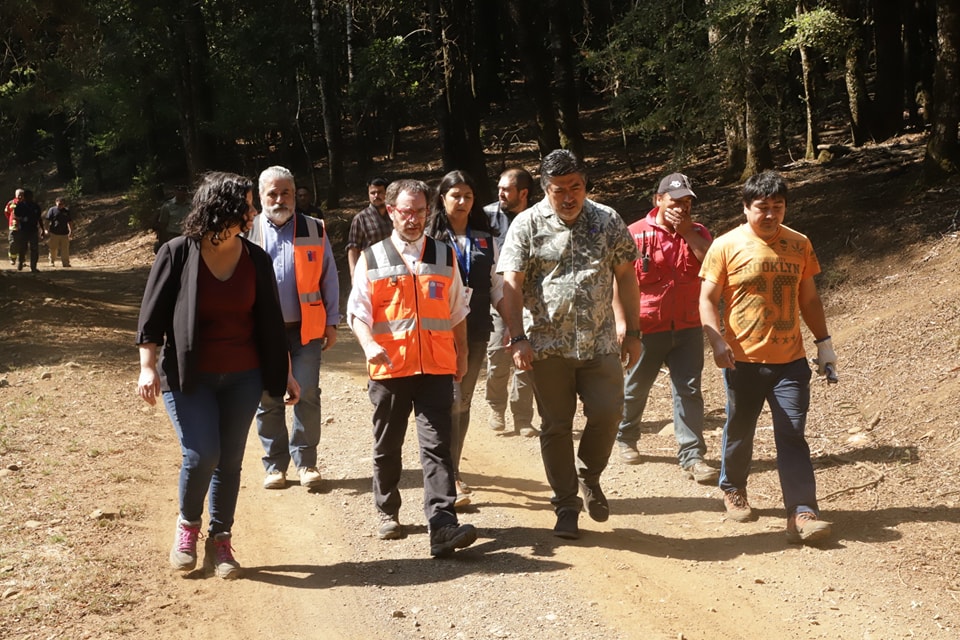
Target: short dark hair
406, 184
522, 178
766, 184
219, 203
560, 162
377, 182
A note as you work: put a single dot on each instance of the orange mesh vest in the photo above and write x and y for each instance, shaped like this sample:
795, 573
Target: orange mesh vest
411, 311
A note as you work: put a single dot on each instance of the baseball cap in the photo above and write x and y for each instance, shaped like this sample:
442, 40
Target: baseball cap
676, 185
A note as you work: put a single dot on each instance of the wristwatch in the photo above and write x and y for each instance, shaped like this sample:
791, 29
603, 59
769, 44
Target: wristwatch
520, 338
633, 333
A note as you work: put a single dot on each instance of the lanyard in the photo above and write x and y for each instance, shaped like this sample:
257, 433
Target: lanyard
463, 259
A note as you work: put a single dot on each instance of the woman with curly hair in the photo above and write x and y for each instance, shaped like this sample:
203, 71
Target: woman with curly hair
211, 307
458, 219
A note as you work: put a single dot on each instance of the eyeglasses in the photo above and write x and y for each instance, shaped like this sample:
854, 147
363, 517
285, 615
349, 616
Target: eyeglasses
410, 213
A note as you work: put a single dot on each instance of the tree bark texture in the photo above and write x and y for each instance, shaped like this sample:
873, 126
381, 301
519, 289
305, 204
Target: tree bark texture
943, 149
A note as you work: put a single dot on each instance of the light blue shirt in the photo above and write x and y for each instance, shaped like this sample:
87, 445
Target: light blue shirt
278, 243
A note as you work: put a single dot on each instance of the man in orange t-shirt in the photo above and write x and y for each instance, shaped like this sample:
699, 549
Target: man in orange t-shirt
763, 273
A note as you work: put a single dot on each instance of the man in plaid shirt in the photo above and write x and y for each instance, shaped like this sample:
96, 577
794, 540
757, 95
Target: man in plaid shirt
371, 225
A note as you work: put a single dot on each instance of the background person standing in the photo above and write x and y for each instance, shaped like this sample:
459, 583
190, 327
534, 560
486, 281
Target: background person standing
29, 230
671, 248
61, 231
12, 224
514, 191
371, 225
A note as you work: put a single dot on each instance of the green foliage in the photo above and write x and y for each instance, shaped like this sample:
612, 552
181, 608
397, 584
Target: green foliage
821, 29
142, 197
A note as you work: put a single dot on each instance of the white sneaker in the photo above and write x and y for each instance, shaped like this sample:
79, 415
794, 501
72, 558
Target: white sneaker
309, 477
275, 479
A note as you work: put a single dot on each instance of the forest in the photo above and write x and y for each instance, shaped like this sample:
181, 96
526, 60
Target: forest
121, 94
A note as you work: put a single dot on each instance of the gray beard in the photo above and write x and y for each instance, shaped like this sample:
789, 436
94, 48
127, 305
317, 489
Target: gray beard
278, 217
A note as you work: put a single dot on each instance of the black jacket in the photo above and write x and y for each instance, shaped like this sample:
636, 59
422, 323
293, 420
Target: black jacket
168, 316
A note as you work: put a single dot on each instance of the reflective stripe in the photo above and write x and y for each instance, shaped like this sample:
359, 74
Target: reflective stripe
309, 298
390, 271
436, 324
394, 326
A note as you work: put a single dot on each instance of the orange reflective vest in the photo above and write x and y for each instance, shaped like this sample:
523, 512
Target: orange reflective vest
308, 246
411, 311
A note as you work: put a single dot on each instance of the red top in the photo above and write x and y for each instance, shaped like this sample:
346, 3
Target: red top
225, 317
670, 284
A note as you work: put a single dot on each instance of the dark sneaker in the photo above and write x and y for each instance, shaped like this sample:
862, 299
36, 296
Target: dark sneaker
218, 557
390, 527
701, 472
566, 526
183, 555
804, 527
595, 501
735, 501
446, 539
629, 453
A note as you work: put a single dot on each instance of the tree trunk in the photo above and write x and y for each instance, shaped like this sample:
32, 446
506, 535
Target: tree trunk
328, 84
887, 120
943, 149
200, 91
561, 43
732, 104
809, 97
528, 27
457, 114
759, 155
61, 147
858, 102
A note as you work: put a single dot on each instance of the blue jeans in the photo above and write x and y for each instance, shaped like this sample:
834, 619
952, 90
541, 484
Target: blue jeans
786, 388
212, 424
300, 445
463, 398
682, 352
599, 384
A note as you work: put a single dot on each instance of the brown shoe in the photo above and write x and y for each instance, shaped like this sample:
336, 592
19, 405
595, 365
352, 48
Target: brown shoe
804, 527
629, 453
738, 509
701, 472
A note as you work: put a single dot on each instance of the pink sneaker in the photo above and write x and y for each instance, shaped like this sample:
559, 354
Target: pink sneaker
183, 555
218, 557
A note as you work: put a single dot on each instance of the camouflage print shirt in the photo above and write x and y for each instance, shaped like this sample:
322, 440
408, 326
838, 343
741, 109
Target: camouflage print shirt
568, 278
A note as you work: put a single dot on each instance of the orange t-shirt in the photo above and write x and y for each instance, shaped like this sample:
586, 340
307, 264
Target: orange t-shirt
760, 285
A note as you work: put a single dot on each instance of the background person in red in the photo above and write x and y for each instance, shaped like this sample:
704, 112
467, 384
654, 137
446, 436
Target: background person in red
671, 248
12, 224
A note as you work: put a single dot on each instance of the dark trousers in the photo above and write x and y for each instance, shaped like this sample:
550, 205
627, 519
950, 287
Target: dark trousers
431, 399
24, 239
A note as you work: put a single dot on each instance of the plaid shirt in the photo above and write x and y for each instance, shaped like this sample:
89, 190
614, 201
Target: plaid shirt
368, 228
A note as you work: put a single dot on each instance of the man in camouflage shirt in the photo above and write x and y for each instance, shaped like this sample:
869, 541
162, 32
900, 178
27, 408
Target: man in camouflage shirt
559, 262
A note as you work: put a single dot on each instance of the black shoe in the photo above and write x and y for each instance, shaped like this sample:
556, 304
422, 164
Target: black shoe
566, 526
446, 539
595, 502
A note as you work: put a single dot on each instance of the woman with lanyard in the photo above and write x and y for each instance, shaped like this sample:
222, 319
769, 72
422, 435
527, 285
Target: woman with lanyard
458, 219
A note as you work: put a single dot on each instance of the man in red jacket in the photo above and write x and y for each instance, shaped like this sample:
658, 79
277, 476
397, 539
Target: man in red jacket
12, 224
671, 248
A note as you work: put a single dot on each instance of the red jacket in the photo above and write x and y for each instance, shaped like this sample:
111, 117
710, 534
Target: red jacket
670, 283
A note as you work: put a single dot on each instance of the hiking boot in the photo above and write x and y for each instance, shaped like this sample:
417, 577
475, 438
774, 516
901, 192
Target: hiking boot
275, 479
528, 432
595, 502
498, 422
804, 527
735, 501
629, 453
390, 527
218, 557
444, 540
183, 555
309, 477
566, 526
701, 472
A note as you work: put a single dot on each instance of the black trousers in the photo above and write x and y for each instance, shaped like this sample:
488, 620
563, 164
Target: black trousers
431, 398
24, 239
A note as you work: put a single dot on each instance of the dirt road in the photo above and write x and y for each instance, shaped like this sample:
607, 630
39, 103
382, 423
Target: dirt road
89, 504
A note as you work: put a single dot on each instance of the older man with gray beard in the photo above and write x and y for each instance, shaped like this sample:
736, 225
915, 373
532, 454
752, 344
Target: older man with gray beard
309, 291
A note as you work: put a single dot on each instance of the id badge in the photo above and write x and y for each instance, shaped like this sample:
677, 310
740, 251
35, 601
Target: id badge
467, 294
